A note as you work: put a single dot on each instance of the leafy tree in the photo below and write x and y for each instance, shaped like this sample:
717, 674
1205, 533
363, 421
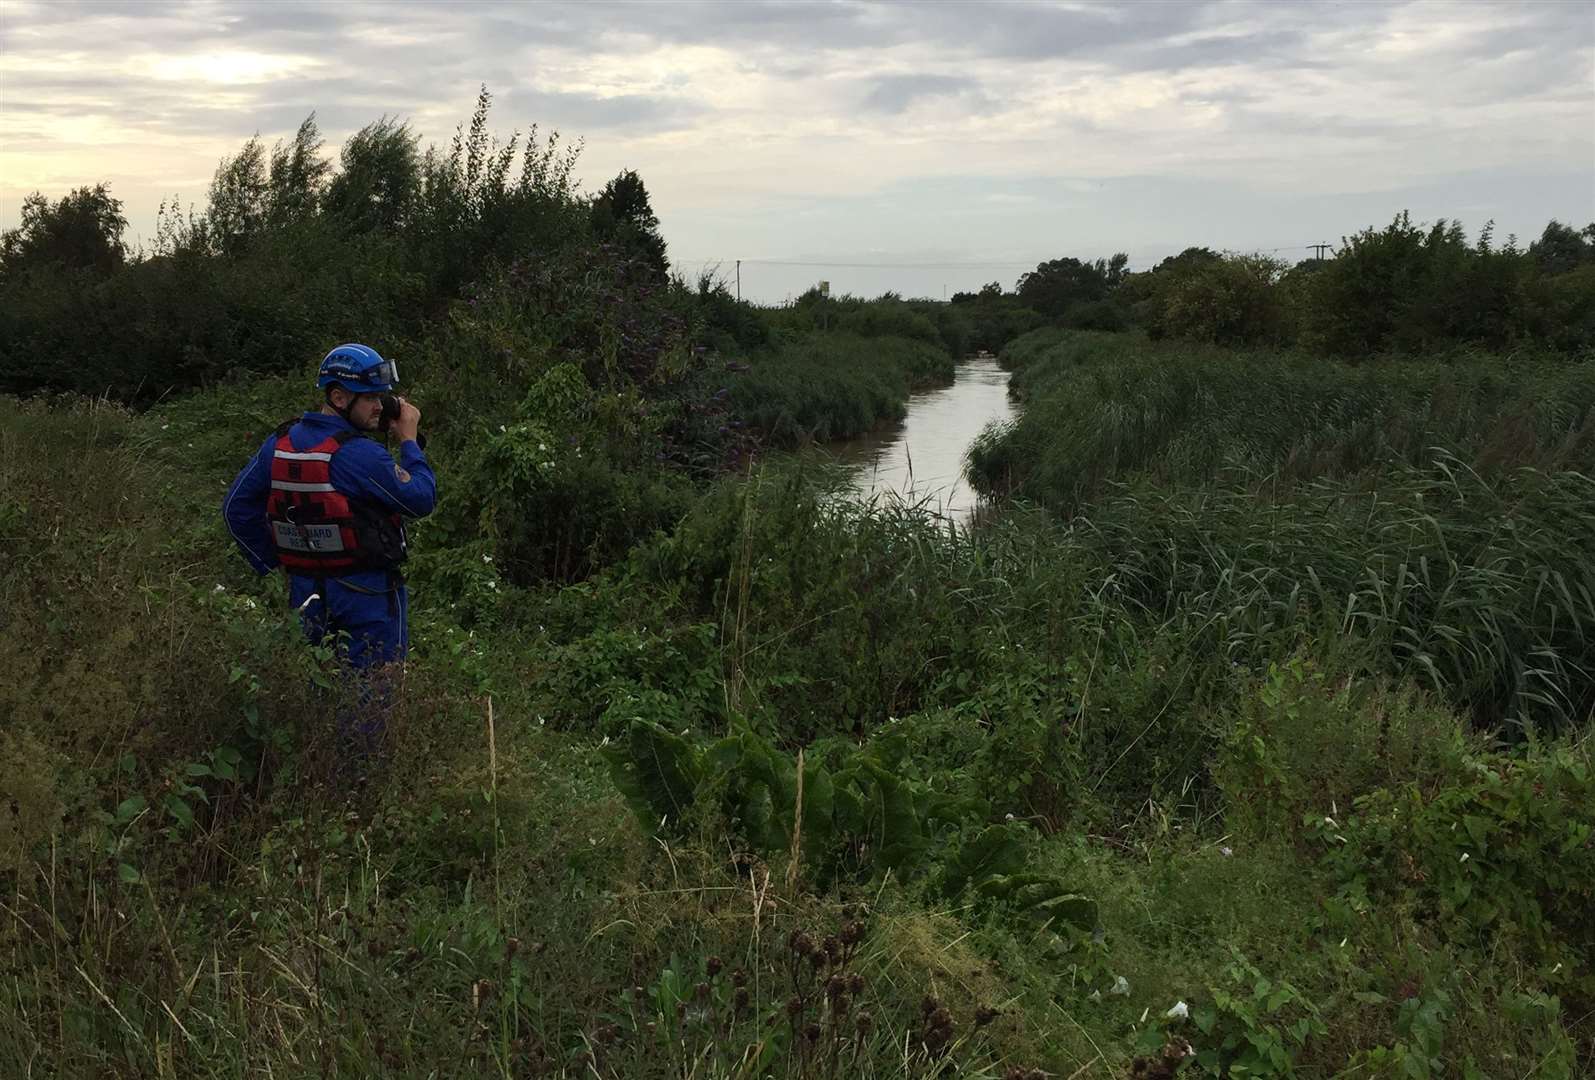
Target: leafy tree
238, 197
1231, 300
472, 211
83, 232
1560, 249
995, 317
298, 175
623, 215
1192, 258
376, 188
1409, 289
1055, 286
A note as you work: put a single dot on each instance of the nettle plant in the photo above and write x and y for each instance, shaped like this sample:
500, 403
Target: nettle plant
841, 810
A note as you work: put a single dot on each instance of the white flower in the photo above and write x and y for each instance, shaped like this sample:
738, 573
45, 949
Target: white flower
1226, 851
1008, 817
165, 426
219, 588
491, 584
501, 427
540, 446
487, 558
1121, 986
1179, 1012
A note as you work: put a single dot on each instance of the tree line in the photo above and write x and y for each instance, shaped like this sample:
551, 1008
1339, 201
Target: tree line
1403, 288
292, 253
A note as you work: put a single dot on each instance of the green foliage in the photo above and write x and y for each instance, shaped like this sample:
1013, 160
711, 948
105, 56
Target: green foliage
995, 317
378, 180
814, 388
1229, 300
623, 216
1404, 288
1255, 1026
1054, 287
1209, 721
1504, 853
1301, 743
856, 808
1561, 250
81, 232
1107, 407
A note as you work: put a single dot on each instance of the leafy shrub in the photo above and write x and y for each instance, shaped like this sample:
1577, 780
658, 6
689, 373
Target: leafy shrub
1233, 300
1506, 853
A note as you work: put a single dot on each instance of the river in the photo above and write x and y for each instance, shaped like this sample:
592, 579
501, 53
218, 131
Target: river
922, 458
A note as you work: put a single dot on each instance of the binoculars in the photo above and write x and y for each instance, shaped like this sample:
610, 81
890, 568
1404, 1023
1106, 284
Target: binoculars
390, 413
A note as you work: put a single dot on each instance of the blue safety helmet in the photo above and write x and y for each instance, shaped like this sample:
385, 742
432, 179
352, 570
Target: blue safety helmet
358, 369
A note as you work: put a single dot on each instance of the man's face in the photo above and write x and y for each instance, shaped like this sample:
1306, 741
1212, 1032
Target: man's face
365, 411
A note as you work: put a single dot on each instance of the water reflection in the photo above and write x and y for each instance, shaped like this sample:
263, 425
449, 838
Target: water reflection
923, 457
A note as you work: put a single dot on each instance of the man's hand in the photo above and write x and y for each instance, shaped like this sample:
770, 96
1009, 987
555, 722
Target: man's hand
408, 423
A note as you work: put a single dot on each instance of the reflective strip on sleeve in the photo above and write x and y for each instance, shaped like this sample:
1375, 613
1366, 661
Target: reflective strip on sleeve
289, 485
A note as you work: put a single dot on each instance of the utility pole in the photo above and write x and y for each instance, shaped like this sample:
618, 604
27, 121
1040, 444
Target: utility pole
739, 281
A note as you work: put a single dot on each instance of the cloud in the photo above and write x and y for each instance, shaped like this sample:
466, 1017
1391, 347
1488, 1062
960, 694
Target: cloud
895, 93
769, 117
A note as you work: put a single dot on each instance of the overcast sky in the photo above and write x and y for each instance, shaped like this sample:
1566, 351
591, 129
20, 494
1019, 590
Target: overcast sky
978, 137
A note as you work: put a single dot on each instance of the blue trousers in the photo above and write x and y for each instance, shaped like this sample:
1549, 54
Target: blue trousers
377, 625
377, 621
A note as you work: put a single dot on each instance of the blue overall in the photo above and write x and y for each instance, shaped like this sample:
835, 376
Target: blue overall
370, 605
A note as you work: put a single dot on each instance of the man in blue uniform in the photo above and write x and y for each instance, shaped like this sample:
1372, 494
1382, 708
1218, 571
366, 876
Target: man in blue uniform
328, 504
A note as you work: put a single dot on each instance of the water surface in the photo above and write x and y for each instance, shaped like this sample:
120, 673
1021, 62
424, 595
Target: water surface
922, 458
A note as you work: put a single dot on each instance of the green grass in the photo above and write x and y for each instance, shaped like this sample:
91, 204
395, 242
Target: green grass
822, 386
1168, 734
1105, 407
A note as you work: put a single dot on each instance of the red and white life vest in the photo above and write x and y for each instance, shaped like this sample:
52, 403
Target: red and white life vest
317, 530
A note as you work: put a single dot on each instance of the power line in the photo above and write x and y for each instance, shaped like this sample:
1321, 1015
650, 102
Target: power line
1014, 265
